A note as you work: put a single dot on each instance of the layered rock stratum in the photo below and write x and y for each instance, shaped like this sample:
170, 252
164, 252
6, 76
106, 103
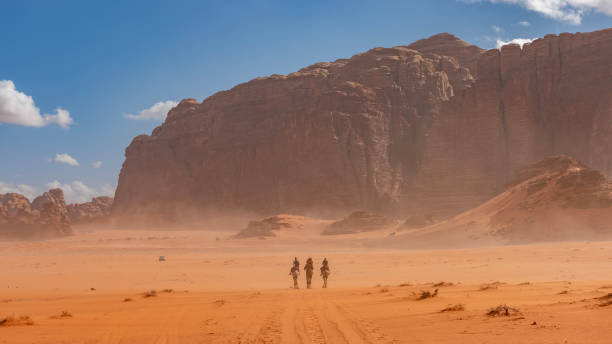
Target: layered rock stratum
430, 128
44, 217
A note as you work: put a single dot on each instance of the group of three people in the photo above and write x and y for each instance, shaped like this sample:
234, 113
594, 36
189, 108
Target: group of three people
309, 267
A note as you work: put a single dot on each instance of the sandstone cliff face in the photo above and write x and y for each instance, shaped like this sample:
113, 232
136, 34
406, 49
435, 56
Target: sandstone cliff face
331, 137
551, 97
432, 128
45, 217
96, 211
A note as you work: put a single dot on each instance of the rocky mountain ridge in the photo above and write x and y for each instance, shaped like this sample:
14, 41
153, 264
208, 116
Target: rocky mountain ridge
429, 128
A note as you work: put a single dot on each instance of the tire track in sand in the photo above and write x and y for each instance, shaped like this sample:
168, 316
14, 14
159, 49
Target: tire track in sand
311, 318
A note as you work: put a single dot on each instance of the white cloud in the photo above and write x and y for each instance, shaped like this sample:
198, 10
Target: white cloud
107, 190
158, 111
26, 190
524, 23
520, 41
96, 164
497, 29
19, 108
78, 192
570, 11
65, 159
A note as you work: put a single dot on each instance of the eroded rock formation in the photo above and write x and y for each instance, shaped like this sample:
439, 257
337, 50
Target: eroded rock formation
45, 217
430, 128
270, 226
96, 211
555, 199
359, 221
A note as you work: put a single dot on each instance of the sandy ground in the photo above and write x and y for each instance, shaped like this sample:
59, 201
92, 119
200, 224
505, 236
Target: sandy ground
229, 291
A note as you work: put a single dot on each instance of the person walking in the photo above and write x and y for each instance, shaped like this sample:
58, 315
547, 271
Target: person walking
309, 267
325, 272
295, 272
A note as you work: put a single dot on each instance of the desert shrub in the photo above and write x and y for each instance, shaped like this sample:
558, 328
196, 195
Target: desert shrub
453, 308
444, 284
606, 300
63, 314
502, 311
426, 294
19, 321
151, 293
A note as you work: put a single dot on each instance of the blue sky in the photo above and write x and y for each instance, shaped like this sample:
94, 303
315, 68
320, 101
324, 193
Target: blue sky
101, 60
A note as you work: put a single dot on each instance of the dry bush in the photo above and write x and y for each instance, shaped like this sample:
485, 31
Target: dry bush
426, 294
168, 291
453, 308
384, 290
503, 311
606, 300
563, 292
20, 321
405, 285
491, 286
444, 284
127, 299
220, 302
151, 293
64, 314
605, 297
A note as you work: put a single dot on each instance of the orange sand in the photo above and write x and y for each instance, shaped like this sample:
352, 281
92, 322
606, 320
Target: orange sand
237, 291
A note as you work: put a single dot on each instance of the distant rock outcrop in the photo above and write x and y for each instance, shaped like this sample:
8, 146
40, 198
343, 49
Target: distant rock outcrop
359, 221
434, 127
268, 227
555, 199
45, 217
418, 221
96, 211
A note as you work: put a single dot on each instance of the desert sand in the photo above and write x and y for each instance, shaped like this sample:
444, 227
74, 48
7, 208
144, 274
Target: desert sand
212, 289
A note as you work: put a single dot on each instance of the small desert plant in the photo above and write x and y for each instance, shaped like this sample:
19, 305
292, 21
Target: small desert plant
563, 292
502, 311
127, 299
151, 293
453, 308
220, 302
168, 291
491, 286
20, 321
405, 285
426, 294
606, 300
444, 284
64, 314
384, 290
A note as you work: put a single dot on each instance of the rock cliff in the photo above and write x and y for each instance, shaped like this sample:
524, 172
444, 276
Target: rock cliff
433, 127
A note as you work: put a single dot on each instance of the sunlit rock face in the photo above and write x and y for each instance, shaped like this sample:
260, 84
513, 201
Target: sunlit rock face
433, 127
